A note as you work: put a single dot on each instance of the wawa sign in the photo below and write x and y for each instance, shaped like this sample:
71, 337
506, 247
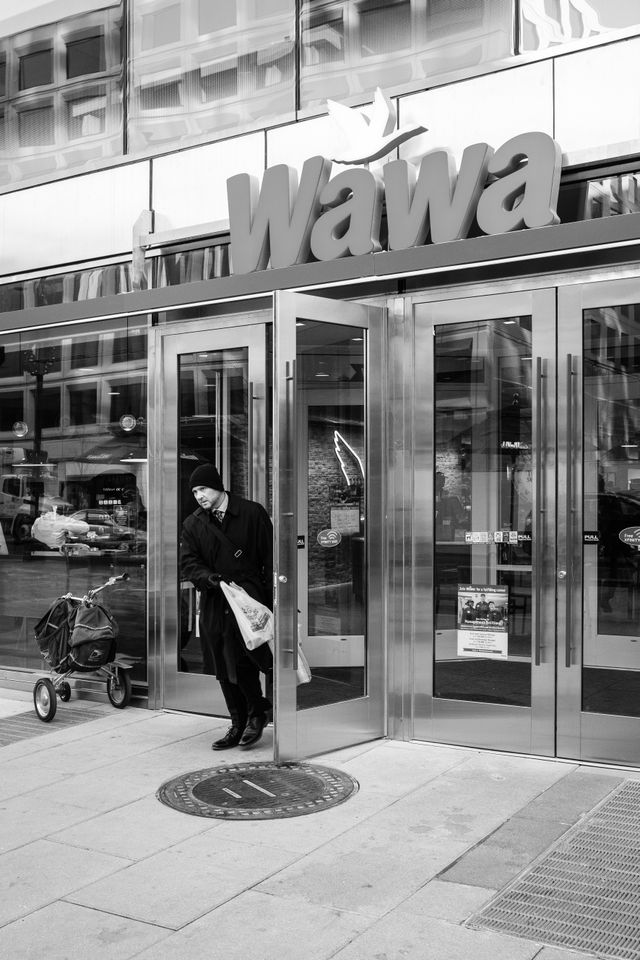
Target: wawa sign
283, 222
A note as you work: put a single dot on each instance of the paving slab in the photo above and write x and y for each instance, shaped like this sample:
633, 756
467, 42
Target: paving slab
64, 931
42, 872
181, 884
426, 938
255, 925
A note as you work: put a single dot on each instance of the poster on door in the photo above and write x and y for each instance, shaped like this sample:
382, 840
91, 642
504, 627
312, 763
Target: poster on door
483, 625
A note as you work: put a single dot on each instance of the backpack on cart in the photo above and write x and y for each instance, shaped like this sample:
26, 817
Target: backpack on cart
93, 639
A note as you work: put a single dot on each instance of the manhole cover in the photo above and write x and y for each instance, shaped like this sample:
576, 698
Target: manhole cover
257, 791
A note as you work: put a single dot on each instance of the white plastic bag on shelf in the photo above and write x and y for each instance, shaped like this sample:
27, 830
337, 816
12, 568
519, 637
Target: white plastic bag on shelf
51, 529
254, 620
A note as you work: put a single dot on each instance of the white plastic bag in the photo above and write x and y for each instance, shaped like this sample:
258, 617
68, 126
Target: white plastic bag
52, 529
304, 671
255, 621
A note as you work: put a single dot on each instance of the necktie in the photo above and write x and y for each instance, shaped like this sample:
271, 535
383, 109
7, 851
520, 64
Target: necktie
219, 515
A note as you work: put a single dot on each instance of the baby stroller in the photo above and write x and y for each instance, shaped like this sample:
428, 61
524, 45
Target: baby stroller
78, 635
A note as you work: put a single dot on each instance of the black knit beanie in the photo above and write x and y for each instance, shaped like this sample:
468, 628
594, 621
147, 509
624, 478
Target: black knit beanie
206, 475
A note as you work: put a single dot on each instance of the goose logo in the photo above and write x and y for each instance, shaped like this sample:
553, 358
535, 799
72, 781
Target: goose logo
370, 133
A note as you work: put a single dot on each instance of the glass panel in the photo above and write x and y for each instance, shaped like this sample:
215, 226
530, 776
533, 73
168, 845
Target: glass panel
36, 127
611, 483
63, 453
85, 56
233, 68
86, 117
546, 23
35, 69
352, 48
213, 428
332, 508
482, 511
63, 83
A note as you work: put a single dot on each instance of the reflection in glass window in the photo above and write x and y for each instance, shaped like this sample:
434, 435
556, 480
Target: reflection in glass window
85, 56
84, 353
611, 506
482, 510
216, 16
11, 409
161, 27
600, 197
232, 66
83, 405
36, 69
62, 82
87, 116
61, 454
352, 48
546, 23
384, 26
36, 127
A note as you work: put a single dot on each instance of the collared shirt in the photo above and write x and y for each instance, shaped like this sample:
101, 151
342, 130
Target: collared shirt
221, 509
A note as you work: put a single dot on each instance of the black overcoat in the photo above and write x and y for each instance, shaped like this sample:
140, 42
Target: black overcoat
248, 527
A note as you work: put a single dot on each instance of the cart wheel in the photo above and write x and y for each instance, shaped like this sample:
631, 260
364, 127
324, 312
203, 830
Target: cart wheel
64, 691
44, 700
119, 688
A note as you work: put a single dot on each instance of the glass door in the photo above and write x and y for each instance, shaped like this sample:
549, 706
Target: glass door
213, 408
483, 588
599, 522
328, 488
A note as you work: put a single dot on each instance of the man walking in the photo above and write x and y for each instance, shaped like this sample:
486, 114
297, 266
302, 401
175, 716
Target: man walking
229, 538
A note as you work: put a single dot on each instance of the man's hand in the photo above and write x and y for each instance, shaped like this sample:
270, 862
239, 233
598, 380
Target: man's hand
214, 580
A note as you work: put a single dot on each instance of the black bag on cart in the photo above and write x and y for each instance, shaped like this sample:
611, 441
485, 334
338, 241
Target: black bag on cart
92, 643
53, 631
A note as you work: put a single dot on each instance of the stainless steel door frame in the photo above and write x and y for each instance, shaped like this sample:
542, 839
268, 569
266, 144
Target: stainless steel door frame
527, 729
170, 687
319, 729
581, 734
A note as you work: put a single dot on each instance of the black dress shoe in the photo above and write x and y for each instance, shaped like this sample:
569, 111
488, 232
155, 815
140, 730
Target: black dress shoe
253, 731
230, 739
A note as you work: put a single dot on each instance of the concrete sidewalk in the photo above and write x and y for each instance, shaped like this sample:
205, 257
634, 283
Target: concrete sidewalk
93, 865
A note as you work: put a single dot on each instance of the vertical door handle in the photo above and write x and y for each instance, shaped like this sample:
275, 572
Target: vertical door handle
537, 531
290, 378
250, 442
568, 579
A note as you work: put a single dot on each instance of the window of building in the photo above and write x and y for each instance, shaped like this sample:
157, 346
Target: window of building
239, 52
65, 455
85, 56
219, 79
86, 117
49, 401
213, 17
11, 409
161, 27
384, 26
79, 60
35, 69
36, 128
84, 353
83, 406
350, 49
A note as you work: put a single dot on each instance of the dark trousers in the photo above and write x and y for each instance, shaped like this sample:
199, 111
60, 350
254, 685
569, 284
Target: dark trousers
244, 699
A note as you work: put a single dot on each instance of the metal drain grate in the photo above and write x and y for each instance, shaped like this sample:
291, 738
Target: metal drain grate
257, 791
23, 726
584, 894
